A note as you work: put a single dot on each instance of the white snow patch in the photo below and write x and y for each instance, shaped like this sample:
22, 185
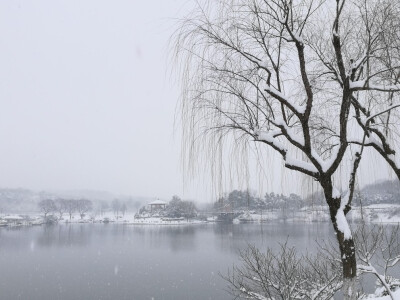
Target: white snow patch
357, 84
269, 138
396, 295
342, 224
325, 164
361, 84
335, 193
290, 161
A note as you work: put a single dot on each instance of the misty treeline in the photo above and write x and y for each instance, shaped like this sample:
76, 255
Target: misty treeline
387, 192
60, 207
384, 192
118, 207
246, 200
26, 201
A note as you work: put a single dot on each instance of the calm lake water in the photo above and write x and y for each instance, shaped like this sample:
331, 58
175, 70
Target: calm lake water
109, 261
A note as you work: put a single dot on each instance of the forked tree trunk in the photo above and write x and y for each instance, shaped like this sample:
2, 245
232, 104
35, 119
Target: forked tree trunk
347, 253
349, 263
346, 245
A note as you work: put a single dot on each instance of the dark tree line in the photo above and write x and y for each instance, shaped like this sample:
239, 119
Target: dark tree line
243, 200
178, 208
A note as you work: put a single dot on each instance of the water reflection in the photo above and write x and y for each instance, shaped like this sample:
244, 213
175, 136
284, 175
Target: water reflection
176, 238
106, 261
64, 236
237, 236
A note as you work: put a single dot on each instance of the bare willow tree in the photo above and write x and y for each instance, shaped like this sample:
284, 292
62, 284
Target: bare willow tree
317, 81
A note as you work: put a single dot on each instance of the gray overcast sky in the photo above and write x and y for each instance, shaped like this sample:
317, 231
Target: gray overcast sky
86, 100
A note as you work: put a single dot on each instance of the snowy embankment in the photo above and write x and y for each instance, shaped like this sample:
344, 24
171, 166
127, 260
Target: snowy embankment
377, 213
34, 218
396, 295
163, 221
130, 219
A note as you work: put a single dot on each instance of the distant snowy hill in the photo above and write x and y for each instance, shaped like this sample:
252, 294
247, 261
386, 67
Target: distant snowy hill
18, 200
385, 192
382, 192
25, 201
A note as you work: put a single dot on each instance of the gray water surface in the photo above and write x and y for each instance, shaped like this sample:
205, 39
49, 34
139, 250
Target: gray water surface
110, 261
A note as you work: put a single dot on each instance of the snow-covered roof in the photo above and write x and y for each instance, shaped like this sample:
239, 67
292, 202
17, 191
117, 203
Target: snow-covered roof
158, 202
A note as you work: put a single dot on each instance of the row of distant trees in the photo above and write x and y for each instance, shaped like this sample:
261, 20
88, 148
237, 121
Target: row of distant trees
240, 200
118, 207
65, 206
82, 206
383, 192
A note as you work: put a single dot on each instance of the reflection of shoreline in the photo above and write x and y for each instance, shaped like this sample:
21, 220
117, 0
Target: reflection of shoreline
370, 214
63, 236
176, 238
231, 237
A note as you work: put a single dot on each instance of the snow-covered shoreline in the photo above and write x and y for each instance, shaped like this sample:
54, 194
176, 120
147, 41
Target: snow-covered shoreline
377, 213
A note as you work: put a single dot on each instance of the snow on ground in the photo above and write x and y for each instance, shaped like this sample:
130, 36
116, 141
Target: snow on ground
382, 206
377, 213
396, 295
129, 219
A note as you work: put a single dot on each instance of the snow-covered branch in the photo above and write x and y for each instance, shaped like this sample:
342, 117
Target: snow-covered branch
297, 109
364, 85
301, 166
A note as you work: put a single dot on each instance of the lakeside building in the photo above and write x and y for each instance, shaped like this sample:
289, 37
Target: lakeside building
157, 205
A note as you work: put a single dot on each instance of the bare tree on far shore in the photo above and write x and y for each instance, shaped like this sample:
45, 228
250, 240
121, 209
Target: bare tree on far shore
83, 206
61, 207
123, 208
47, 206
71, 207
116, 206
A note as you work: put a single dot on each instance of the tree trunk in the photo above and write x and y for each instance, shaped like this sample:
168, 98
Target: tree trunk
349, 263
346, 245
347, 253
